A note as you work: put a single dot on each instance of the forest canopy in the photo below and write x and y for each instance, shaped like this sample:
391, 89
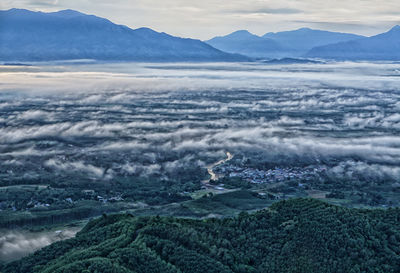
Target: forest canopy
297, 235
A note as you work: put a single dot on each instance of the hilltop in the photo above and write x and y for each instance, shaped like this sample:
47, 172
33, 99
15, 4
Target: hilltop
299, 235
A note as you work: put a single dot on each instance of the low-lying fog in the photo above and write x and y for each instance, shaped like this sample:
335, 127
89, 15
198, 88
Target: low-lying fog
98, 122
17, 244
105, 120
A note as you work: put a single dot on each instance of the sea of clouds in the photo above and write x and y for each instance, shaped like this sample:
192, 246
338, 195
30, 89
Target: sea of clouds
105, 120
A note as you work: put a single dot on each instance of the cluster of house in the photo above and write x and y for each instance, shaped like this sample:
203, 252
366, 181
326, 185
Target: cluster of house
117, 198
269, 176
4, 205
111, 199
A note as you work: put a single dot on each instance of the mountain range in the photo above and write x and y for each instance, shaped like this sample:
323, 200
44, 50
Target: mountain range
385, 46
302, 40
66, 35
294, 43
248, 44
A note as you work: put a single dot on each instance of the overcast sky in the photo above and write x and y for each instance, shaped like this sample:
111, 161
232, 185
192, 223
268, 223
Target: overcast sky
204, 19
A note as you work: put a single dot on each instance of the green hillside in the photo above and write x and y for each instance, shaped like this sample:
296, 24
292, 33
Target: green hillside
299, 235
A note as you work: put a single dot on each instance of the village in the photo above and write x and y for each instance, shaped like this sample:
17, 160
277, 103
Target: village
257, 176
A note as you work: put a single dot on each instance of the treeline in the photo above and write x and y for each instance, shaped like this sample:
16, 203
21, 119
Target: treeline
35, 205
52, 217
299, 235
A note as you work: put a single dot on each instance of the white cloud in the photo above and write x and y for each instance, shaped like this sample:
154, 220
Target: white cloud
79, 167
15, 244
133, 113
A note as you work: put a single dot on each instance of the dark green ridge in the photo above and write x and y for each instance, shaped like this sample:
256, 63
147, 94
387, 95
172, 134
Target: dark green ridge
297, 235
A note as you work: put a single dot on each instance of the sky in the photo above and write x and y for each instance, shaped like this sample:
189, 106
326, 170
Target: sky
208, 18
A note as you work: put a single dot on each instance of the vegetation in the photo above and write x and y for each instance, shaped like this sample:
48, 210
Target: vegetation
130, 150
296, 235
69, 156
33, 205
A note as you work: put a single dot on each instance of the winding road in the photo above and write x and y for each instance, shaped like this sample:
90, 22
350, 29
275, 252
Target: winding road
210, 168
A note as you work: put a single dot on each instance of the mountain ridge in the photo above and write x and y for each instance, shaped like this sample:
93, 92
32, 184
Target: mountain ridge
294, 43
244, 42
65, 35
297, 235
306, 38
381, 47
27, 36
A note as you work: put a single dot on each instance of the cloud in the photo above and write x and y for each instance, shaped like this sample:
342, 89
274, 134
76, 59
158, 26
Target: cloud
78, 167
209, 18
17, 244
42, 3
140, 120
36, 115
367, 172
268, 11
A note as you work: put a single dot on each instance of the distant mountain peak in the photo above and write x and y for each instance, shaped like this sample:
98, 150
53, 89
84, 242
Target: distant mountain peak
69, 34
241, 34
395, 28
241, 31
25, 14
15, 10
304, 29
68, 12
146, 29
246, 43
382, 47
304, 39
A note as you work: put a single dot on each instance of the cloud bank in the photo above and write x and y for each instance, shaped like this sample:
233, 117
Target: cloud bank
99, 123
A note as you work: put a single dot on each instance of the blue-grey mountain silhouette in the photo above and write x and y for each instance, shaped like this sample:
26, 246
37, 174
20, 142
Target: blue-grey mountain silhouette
68, 34
244, 42
302, 40
385, 46
278, 45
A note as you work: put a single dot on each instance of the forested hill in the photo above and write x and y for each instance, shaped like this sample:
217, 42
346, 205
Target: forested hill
300, 235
